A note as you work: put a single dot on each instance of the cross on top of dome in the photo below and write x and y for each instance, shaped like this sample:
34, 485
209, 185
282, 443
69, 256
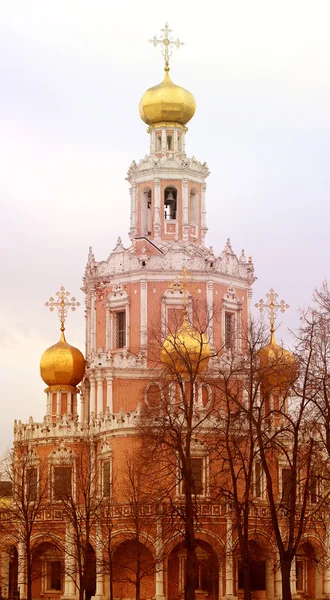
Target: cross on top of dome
272, 306
167, 43
62, 304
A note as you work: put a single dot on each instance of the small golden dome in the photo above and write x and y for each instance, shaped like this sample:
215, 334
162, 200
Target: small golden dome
278, 366
167, 103
187, 350
62, 364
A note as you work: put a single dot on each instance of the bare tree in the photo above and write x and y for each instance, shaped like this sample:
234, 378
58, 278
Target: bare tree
26, 474
172, 425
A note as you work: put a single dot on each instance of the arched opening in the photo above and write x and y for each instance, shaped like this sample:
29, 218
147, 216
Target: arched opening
207, 583
146, 221
193, 205
133, 564
48, 570
170, 204
308, 579
260, 572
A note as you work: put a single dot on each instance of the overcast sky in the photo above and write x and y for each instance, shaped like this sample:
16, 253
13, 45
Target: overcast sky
72, 73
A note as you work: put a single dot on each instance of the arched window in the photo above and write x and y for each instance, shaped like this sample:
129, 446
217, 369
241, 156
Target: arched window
193, 206
158, 142
146, 212
170, 203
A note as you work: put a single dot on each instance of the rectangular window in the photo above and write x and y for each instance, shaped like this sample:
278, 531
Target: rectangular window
106, 481
120, 329
286, 485
54, 575
159, 143
313, 488
229, 330
169, 142
258, 479
197, 474
62, 483
31, 484
300, 574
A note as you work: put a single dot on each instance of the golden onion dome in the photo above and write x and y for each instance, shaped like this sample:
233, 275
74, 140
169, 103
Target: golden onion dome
187, 350
167, 103
62, 364
278, 367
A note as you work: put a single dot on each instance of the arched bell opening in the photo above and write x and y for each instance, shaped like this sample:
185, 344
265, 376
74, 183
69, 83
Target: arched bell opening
193, 206
146, 212
133, 561
207, 577
170, 204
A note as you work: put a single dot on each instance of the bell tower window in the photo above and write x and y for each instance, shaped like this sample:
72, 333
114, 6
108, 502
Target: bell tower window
170, 204
169, 142
146, 212
158, 142
193, 206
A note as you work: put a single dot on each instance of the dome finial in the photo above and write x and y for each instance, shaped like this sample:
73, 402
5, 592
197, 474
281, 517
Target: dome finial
167, 42
272, 306
62, 304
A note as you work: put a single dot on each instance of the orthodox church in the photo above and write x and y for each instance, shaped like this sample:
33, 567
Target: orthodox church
132, 296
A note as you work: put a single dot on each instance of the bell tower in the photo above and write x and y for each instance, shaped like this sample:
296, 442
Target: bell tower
167, 187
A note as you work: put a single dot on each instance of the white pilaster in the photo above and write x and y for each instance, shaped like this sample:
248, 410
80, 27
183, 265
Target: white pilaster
278, 578
99, 562
109, 393
93, 322
203, 211
210, 311
185, 210
21, 570
157, 221
143, 314
58, 404
229, 559
99, 403
134, 207
107, 329
93, 395
159, 567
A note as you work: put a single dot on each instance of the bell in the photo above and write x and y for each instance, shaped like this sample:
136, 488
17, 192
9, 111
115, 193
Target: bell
170, 197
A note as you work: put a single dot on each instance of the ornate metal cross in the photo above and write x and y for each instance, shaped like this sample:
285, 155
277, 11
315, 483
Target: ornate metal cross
180, 284
167, 42
272, 306
62, 304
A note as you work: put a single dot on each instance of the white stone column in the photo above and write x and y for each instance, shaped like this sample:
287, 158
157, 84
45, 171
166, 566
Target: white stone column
99, 592
88, 325
21, 570
160, 566
134, 207
93, 395
69, 584
229, 566
93, 322
210, 311
185, 210
293, 578
109, 379
278, 578
143, 314
49, 403
163, 140
107, 329
152, 141
203, 211
69, 404
99, 402
157, 217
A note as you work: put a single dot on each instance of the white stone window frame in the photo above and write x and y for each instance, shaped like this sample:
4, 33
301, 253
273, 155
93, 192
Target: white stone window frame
232, 305
118, 301
283, 464
263, 494
61, 457
173, 299
32, 461
106, 454
197, 453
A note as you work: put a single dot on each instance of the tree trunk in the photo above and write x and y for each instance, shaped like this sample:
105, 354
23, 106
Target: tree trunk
246, 579
286, 576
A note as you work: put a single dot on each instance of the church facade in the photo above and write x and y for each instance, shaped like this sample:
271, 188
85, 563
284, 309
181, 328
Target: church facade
133, 299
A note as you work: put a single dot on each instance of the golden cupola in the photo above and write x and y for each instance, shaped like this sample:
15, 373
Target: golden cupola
278, 368
167, 103
62, 364
186, 351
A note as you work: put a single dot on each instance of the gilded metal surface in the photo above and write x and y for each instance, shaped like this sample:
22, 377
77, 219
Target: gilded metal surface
272, 306
167, 102
187, 350
62, 364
